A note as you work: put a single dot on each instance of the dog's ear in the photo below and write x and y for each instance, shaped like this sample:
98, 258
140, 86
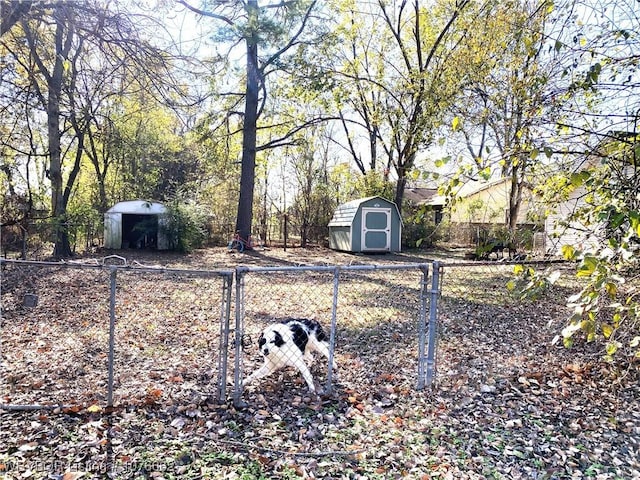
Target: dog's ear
278, 340
261, 340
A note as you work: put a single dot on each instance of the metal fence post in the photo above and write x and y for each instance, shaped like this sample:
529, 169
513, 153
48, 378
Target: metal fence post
422, 326
433, 324
112, 332
332, 333
224, 337
237, 376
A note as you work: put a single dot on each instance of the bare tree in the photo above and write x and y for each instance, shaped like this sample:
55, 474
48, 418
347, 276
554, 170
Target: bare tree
50, 94
12, 11
398, 64
277, 28
508, 112
58, 39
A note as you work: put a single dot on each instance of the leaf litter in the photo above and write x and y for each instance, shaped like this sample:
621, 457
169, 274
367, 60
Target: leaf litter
508, 403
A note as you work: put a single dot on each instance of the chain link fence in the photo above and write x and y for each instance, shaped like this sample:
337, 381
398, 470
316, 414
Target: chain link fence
482, 309
103, 334
111, 333
375, 318
84, 334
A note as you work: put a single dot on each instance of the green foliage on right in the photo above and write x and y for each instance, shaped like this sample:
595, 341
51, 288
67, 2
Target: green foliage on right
185, 226
607, 308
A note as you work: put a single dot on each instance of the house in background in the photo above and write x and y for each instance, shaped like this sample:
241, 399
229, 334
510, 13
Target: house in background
488, 203
425, 197
617, 154
559, 231
135, 224
481, 208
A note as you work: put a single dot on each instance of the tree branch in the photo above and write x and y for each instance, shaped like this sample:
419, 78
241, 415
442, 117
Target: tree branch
206, 13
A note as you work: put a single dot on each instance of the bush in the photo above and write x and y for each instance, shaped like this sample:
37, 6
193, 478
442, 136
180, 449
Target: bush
417, 231
185, 226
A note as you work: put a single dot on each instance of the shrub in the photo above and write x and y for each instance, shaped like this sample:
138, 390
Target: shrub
419, 232
185, 226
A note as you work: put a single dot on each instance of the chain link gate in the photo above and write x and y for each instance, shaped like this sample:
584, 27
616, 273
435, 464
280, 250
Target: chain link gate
378, 319
78, 334
112, 333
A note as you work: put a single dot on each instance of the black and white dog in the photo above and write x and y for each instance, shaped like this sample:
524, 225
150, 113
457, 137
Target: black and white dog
290, 343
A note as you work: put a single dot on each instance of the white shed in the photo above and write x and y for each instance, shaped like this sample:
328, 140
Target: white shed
135, 224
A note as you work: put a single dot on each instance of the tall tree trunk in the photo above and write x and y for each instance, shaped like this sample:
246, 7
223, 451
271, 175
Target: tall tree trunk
62, 247
515, 197
249, 133
400, 188
403, 165
101, 171
54, 81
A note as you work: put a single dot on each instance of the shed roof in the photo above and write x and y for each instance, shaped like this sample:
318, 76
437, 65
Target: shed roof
344, 214
138, 207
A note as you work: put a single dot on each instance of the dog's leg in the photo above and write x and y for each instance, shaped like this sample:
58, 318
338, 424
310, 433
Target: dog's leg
265, 370
323, 348
308, 358
304, 370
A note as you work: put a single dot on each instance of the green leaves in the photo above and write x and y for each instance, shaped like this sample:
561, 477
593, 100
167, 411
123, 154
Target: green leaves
579, 178
569, 252
587, 267
529, 283
594, 73
634, 219
441, 162
606, 309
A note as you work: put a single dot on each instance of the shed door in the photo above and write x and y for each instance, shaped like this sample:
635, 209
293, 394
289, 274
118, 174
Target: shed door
376, 229
112, 230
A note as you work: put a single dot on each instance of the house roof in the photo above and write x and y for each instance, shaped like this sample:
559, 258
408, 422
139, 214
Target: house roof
421, 195
475, 186
429, 196
138, 207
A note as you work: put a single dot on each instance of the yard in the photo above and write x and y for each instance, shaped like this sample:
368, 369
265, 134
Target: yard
508, 403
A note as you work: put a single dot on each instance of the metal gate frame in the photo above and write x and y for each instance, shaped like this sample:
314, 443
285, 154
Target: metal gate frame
427, 330
427, 327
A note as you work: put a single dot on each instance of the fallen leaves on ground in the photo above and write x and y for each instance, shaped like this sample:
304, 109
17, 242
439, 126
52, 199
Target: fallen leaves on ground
507, 405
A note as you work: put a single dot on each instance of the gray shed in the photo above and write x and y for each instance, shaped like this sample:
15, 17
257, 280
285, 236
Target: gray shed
365, 225
135, 224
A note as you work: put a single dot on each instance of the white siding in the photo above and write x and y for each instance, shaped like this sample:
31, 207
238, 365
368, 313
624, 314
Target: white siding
574, 234
112, 230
